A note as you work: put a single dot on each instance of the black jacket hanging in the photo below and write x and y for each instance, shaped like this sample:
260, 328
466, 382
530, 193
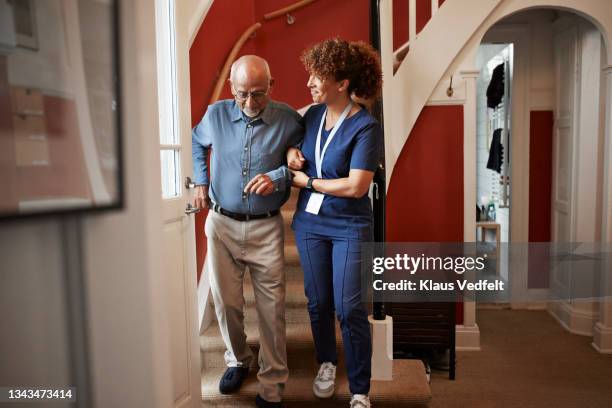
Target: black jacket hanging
495, 90
496, 152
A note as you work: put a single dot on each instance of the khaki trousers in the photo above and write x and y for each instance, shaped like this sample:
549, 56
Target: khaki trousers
259, 245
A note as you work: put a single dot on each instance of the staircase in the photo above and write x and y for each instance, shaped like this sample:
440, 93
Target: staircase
409, 387
413, 71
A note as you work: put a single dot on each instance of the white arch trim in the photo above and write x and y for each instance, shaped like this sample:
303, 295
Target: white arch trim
198, 11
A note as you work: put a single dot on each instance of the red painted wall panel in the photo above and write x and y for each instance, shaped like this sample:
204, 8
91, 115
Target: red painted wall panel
425, 196
423, 8
401, 21
281, 44
223, 25
540, 191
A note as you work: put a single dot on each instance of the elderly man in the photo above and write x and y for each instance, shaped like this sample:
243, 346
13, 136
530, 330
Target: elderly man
250, 182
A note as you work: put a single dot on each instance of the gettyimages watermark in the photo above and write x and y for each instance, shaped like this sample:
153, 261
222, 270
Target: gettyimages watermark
486, 272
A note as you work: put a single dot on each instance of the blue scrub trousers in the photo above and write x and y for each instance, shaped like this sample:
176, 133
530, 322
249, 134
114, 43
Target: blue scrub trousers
332, 281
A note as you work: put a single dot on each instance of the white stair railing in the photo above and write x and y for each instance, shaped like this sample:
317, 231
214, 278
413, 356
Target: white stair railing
406, 92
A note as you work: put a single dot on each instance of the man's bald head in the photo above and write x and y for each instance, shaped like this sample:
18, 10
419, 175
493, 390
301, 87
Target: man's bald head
251, 84
250, 66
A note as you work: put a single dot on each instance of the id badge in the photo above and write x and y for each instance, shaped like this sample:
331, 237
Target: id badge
314, 203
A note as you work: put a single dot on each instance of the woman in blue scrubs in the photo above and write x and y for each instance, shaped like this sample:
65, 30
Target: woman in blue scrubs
334, 169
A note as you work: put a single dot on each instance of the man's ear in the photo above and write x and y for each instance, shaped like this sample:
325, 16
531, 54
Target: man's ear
271, 85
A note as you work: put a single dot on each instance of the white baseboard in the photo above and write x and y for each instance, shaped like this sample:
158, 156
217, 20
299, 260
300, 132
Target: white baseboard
574, 321
467, 338
602, 338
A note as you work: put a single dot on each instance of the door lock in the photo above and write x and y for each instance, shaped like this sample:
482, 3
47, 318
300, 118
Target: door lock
191, 210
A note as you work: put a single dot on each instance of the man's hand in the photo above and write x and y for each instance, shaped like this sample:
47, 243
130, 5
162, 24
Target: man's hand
295, 159
299, 179
260, 184
201, 199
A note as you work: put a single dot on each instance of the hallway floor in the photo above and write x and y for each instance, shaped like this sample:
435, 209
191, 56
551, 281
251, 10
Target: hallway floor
527, 360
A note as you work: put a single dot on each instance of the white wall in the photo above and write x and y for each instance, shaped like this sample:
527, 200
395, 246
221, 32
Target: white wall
34, 345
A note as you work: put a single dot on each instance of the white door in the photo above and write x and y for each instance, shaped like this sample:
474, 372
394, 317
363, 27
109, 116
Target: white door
566, 42
564, 136
178, 231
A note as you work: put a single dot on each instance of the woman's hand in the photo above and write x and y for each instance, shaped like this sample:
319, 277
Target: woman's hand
299, 179
295, 159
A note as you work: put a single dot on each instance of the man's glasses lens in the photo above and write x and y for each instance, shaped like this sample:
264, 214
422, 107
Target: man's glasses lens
258, 95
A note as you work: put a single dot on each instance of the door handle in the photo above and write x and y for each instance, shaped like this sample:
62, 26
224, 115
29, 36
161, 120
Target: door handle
191, 210
188, 183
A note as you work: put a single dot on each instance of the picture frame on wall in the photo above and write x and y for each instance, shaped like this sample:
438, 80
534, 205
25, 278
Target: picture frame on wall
26, 28
61, 144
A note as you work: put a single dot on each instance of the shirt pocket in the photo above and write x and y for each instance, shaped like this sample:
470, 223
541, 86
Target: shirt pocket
266, 161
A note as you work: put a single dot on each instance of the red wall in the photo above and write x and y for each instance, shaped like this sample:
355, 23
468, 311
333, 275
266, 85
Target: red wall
540, 192
211, 47
400, 23
401, 19
423, 14
425, 196
279, 43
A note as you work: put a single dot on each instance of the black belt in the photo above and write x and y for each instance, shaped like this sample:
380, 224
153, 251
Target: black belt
243, 217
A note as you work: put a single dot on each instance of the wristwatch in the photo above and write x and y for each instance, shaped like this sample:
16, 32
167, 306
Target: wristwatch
309, 185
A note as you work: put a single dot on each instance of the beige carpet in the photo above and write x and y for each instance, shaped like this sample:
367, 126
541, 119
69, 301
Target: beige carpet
527, 360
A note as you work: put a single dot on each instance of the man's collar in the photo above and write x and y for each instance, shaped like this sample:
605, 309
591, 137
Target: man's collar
236, 112
265, 116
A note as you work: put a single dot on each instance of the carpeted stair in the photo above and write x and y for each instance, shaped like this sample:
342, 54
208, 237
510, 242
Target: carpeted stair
409, 387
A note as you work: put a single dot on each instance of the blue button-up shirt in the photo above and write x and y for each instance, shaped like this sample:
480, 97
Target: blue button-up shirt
244, 148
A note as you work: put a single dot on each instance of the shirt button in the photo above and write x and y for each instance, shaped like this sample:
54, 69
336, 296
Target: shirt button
244, 195
249, 126
246, 148
244, 173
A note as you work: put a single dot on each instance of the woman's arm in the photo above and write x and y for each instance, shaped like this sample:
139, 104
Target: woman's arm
356, 185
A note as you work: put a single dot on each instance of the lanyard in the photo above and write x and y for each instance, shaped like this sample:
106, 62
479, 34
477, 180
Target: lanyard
320, 154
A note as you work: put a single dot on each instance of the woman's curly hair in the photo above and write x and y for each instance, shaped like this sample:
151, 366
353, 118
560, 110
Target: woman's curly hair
340, 59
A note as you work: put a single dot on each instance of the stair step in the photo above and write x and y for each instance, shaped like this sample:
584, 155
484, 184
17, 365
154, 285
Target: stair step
409, 388
294, 294
291, 254
300, 348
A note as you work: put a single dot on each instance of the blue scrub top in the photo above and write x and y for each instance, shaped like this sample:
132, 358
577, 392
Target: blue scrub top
356, 145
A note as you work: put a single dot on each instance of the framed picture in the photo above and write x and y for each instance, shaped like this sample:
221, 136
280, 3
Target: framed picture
60, 132
26, 29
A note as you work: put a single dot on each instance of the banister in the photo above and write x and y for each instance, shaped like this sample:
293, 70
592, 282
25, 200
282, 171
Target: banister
230, 59
288, 9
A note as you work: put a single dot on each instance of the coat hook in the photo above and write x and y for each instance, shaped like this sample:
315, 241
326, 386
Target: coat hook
290, 19
449, 91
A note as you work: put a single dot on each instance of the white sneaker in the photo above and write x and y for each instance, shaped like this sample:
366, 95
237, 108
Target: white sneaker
360, 401
325, 381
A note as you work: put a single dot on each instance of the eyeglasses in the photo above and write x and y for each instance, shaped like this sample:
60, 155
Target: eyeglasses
258, 96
